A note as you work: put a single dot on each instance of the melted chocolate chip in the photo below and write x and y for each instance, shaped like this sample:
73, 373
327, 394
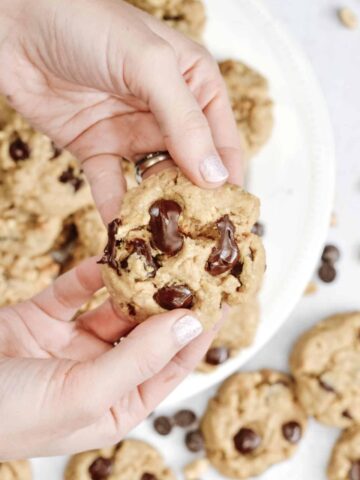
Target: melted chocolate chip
237, 269
174, 296
217, 355
354, 473
246, 441
184, 418
327, 273
163, 425
143, 249
101, 468
109, 256
148, 476
19, 150
226, 254
194, 441
325, 386
292, 432
164, 218
69, 177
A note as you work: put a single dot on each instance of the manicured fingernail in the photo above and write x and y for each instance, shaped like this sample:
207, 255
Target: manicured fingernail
186, 329
212, 170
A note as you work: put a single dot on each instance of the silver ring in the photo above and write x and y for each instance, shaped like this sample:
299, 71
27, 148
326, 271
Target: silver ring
151, 159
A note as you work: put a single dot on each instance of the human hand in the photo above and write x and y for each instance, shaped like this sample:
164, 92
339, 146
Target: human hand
65, 388
106, 80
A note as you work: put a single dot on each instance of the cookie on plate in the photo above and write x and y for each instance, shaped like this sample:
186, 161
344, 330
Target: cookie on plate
129, 460
176, 245
15, 470
326, 365
186, 16
253, 109
345, 458
253, 422
238, 332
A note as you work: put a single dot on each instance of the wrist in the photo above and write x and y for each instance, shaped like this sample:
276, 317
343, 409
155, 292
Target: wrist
9, 12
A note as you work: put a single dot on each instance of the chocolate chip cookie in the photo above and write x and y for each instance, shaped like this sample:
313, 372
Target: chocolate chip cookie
253, 422
345, 459
186, 16
176, 245
326, 365
253, 109
129, 460
238, 332
15, 470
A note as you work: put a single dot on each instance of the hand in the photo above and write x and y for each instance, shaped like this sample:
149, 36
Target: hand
106, 80
65, 388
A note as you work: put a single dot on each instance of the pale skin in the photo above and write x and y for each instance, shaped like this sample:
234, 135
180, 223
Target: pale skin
105, 81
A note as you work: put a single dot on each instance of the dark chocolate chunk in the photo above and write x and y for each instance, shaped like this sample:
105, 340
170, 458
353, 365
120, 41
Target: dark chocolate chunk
292, 432
173, 18
184, 418
246, 441
258, 229
163, 425
65, 249
69, 177
149, 476
131, 309
143, 249
174, 296
327, 273
226, 254
237, 269
109, 256
164, 227
347, 414
354, 473
217, 355
331, 254
194, 441
325, 386
19, 150
101, 468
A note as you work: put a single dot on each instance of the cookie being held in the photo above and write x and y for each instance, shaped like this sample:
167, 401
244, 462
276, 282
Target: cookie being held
345, 458
176, 245
15, 470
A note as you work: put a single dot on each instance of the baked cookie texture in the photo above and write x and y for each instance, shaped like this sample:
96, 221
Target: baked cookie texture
238, 332
186, 16
15, 470
345, 458
253, 109
129, 460
253, 422
175, 245
326, 365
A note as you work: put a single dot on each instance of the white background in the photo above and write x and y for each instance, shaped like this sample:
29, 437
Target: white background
335, 54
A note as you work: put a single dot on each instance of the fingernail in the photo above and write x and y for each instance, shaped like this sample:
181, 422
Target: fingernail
213, 170
186, 329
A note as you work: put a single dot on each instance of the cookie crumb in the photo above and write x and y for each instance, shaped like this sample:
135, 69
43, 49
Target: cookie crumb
311, 288
194, 470
333, 220
348, 18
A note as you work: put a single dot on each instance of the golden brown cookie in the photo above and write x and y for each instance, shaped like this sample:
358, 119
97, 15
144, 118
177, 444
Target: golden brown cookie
345, 458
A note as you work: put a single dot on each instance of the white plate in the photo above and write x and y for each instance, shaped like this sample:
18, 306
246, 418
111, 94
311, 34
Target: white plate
293, 176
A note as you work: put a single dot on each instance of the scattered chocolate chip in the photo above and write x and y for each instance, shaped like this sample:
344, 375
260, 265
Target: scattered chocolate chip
226, 254
347, 414
331, 254
164, 219
217, 355
56, 151
184, 418
327, 273
19, 150
69, 177
325, 386
194, 441
246, 441
109, 256
354, 473
174, 296
148, 476
101, 468
163, 425
143, 249
258, 229
292, 432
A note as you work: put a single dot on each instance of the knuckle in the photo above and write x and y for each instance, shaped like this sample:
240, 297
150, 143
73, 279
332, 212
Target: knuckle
194, 120
149, 365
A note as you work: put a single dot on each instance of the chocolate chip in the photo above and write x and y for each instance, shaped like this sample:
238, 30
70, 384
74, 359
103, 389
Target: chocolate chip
258, 229
56, 151
143, 249
174, 296
237, 269
163, 425
164, 218
101, 468
69, 177
109, 256
354, 473
194, 441
226, 254
174, 18
131, 309
148, 476
347, 414
325, 386
19, 150
217, 355
331, 254
327, 273
292, 432
184, 418
246, 441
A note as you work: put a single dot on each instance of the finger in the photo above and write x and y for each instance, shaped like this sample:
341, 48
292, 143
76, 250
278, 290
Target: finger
70, 291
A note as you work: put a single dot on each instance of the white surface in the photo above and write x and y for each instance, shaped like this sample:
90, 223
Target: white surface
334, 52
